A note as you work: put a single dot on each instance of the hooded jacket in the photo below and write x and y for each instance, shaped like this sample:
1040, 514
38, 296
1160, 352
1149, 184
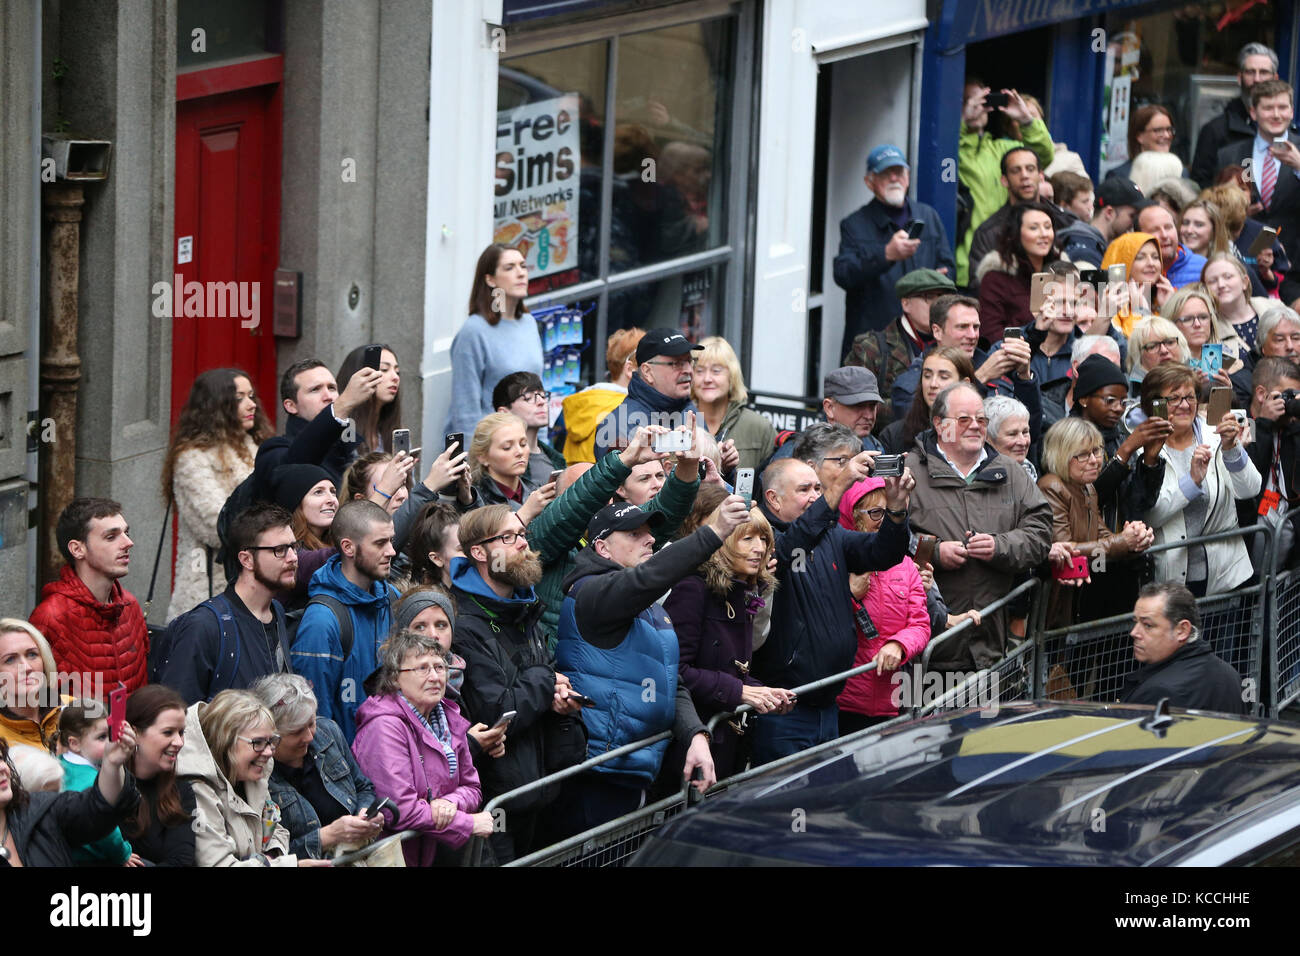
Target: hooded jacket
582, 412
318, 649
91, 638
316, 442
1000, 500
408, 765
813, 634
1124, 249
52, 824
507, 667
230, 828
1193, 677
895, 604
644, 405
1082, 243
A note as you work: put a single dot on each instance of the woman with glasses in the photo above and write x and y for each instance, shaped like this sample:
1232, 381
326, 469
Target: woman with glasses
1139, 253
1073, 456
228, 764
321, 792
1227, 277
499, 457
498, 338
1154, 341
411, 743
718, 388
379, 415
1150, 130
1206, 472
1192, 309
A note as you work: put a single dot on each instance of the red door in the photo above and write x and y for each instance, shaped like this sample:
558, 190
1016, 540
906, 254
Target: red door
227, 227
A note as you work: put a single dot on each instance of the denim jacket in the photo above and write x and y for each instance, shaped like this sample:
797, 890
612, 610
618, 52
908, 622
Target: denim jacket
343, 780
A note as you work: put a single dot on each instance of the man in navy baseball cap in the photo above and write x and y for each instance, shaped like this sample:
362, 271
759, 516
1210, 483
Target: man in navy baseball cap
884, 240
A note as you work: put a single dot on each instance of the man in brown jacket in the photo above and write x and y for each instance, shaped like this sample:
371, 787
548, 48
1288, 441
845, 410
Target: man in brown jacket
992, 522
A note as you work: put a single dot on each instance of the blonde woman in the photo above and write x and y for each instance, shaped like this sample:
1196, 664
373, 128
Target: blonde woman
1194, 310
227, 760
1153, 340
499, 453
29, 705
745, 438
1202, 230
1227, 277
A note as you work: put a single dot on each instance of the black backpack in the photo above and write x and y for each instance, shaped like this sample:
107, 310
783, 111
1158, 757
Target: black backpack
341, 613
240, 500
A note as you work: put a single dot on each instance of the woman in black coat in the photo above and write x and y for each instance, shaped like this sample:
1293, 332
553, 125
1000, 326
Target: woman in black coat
40, 829
160, 828
713, 612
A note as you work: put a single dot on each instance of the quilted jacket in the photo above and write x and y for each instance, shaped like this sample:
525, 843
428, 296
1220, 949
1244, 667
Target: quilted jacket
92, 638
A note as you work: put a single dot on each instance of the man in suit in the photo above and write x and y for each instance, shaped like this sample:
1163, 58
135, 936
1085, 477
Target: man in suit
1272, 160
1255, 64
875, 251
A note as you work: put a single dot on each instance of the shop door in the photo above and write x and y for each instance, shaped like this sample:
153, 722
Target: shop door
227, 239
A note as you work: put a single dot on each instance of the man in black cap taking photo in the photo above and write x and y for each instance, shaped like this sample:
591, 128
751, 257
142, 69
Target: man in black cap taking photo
619, 649
658, 394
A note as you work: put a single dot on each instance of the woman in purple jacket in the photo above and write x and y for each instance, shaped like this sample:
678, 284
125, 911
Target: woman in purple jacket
411, 743
713, 612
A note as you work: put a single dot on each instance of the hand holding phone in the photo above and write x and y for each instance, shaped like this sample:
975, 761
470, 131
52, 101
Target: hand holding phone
116, 711
745, 484
457, 439
504, 719
401, 440
373, 357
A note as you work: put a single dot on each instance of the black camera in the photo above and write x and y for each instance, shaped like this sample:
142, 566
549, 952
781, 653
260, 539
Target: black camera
1291, 402
887, 466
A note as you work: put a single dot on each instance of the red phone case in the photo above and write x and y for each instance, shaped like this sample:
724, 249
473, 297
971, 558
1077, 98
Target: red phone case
1078, 569
116, 710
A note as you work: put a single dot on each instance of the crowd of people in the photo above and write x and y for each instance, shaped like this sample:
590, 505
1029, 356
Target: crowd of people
365, 639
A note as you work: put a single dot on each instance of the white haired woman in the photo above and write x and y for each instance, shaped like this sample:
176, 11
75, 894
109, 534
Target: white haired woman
412, 743
1008, 430
227, 760
321, 792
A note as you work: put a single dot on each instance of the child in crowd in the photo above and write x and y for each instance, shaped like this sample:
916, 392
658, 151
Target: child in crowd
83, 729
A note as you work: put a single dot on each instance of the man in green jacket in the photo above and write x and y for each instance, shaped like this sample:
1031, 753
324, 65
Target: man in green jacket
557, 532
979, 159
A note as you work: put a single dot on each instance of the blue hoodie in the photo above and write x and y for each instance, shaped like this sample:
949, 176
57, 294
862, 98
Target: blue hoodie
318, 649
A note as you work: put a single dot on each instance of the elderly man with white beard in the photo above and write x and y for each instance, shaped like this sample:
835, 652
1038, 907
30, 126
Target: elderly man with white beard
876, 248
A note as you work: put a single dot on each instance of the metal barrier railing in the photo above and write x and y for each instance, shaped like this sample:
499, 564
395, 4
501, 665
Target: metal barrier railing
1284, 629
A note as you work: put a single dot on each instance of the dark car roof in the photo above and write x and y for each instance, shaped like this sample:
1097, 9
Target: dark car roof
1034, 784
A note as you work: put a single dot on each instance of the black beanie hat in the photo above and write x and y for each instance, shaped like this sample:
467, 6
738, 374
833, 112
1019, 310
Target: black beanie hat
290, 483
1096, 372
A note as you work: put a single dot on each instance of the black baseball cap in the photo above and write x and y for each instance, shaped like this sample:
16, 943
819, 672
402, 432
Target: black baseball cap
624, 517
663, 342
1119, 191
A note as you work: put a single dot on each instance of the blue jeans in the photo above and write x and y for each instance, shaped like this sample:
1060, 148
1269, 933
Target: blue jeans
779, 735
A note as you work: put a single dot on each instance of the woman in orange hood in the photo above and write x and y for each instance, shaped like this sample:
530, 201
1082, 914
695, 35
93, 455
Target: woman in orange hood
1140, 254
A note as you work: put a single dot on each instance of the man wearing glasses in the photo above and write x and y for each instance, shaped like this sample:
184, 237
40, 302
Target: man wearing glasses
658, 394
992, 522
1255, 64
521, 394
237, 637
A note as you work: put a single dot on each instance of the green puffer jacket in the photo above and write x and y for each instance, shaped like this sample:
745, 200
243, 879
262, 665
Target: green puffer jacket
754, 435
558, 530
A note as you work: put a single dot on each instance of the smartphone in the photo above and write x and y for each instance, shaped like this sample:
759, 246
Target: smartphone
1212, 357
457, 439
1076, 570
1279, 143
887, 466
1220, 405
373, 356
745, 484
1267, 236
582, 699
915, 228
504, 720
994, 100
1038, 291
925, 545
671, 442
1013, 333
1117, 273
401, 440
116, 710
555, 475
1160, 408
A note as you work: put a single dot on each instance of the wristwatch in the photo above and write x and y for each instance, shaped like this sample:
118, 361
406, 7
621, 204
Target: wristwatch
900, 513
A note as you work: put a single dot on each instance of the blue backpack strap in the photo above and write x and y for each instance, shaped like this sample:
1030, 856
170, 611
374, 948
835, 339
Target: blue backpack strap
224, 613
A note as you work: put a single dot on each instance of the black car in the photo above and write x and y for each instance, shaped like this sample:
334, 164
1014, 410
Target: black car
1035, 784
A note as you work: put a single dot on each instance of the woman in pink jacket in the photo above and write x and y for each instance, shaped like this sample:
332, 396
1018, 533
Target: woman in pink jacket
892, 620
411, 743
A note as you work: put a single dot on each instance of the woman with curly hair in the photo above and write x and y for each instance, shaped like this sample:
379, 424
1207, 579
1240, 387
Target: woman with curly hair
713, 611
212, 451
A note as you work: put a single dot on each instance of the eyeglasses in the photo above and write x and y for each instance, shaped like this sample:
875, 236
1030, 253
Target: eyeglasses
424, 670
277, 550
965, 421
508, 538
534, 397
875, 514
676, 363
1180, 401
1160, 344
839, 459
1198, 319
1110, 401
260, 744
1160, 130
1088, 455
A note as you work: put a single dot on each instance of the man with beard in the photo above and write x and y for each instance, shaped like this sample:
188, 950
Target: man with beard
353, 583
620, 650
875, 250
1021, 177
237, 637
507, 666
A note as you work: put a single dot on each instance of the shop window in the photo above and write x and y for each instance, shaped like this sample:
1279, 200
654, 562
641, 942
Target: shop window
689, 301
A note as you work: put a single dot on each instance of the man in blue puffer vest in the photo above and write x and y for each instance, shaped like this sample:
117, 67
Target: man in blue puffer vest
618, 647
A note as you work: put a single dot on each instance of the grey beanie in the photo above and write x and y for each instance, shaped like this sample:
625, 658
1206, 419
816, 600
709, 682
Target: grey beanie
416, 602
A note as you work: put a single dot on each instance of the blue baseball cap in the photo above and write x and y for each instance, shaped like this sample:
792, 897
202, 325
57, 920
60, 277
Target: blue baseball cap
885, 157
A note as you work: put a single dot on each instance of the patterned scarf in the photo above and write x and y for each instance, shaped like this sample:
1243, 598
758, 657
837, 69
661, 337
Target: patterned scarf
436, 723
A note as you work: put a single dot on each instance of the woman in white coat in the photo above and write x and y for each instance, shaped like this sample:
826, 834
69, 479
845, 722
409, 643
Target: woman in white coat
212, 451
1206, 472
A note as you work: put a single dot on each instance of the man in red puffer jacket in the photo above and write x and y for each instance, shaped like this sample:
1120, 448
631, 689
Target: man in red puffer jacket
94, 626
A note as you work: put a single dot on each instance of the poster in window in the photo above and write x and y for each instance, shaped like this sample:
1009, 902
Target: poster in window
535, 207
695, 304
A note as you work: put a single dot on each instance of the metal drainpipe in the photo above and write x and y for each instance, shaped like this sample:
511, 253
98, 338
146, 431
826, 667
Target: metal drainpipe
34, 314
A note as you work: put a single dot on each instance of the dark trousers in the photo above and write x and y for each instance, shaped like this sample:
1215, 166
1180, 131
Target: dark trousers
779, 735
851, 723
590, 799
